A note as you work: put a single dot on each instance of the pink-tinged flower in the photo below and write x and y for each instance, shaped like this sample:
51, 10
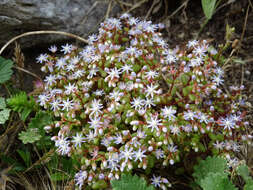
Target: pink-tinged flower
38, 85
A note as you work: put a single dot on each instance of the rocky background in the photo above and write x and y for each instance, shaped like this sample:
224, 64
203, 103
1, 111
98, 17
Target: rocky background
75, 16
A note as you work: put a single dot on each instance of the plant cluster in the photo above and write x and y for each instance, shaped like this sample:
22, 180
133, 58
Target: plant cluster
127, 101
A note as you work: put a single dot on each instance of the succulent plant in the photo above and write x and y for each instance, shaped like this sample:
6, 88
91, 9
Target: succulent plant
128, 101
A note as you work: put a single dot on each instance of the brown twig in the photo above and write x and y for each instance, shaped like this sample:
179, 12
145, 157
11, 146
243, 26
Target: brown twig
88, 12
42, 32
135, 6
244, 26
250, 3
121, 5
109, 8
124, 3
166, 7
28, 72
241, 39
19, 59
151, 8
184, 4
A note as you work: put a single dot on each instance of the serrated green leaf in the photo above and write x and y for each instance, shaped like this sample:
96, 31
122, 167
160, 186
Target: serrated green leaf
40, 120
243, 171
22, 104
30, 136
2, 103
217, 181
210, 165
5, 69
208, 7
128, 182
4, 115
248, 185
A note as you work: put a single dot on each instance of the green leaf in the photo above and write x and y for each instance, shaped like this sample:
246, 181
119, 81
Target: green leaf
2, 103
30, 136
22, 104
210, 165
58, 176
4, 115
187, 90
4, 112
26, 156
5, 69
128, 182
192, 97
208, 8
40, 120
243, 171
217, 181
101, 184
185, 78
248, 185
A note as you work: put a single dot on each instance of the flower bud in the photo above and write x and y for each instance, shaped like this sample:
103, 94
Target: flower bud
94, 166
47, 128
150, 148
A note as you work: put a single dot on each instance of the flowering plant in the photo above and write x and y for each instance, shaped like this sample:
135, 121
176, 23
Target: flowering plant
127, 101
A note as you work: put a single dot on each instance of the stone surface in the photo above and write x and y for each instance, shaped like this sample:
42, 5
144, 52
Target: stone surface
74, 16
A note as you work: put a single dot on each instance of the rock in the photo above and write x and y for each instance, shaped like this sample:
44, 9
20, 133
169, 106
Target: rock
75, 16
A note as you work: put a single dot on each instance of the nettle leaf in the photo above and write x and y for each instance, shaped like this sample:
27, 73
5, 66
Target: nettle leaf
217, 181
30, 136
210, 165
5, 69
22, 104
128, 181
208, 8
